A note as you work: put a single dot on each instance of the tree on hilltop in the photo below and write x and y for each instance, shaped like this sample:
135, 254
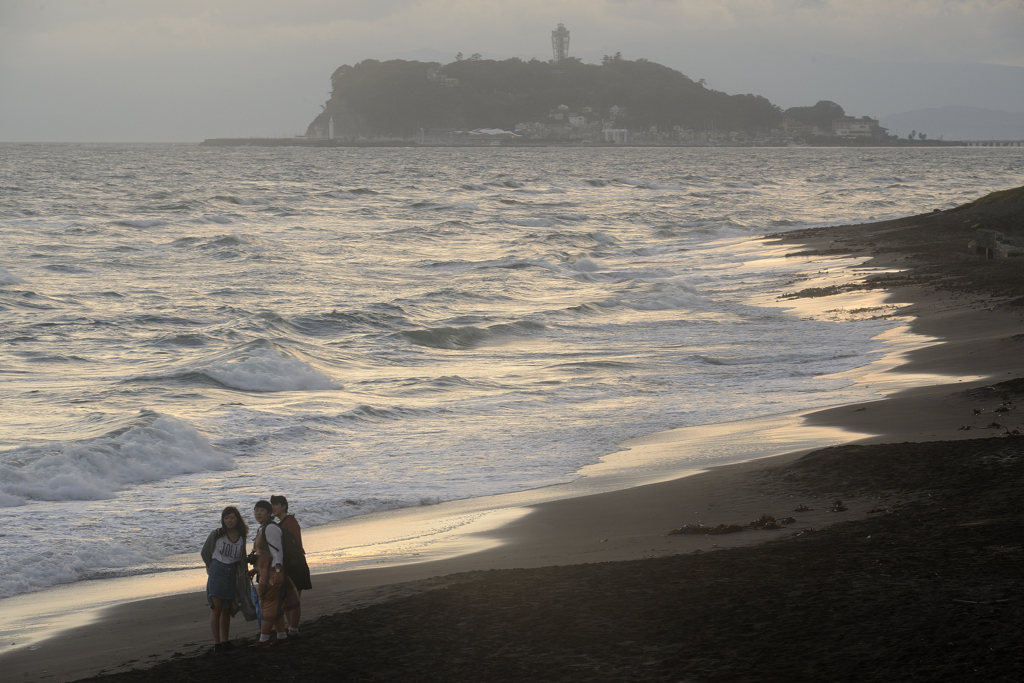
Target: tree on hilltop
821, 114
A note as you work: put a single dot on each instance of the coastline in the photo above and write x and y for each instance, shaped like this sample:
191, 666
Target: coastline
854, 143
629, 523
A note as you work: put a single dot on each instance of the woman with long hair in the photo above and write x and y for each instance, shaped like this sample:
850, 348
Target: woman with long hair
227, 581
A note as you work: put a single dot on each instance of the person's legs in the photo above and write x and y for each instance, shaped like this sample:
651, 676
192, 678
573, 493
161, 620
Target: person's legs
215, 617
225, 624
295, 614
279, 624
268, 603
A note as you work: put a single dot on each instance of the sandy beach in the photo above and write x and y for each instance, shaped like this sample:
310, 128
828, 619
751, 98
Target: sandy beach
903, 560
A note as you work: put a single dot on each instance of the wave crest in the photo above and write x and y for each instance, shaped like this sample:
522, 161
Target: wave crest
268, 368
151, 447
470, 336
9, 278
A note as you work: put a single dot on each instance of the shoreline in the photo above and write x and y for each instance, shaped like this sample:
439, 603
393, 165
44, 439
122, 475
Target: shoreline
454, 529
417, 535
631, 523
852, 143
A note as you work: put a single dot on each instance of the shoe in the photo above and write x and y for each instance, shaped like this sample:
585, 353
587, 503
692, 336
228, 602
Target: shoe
218, 647
263, 644
282, 641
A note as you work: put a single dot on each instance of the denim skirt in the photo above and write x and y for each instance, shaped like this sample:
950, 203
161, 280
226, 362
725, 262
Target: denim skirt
220, 582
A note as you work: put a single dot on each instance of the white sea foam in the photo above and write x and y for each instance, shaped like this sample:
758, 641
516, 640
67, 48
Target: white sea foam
664, 296
8, 501
155, 447
268, 368
9, 278
585, 265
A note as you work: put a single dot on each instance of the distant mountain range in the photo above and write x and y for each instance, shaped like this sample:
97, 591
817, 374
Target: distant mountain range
958, 123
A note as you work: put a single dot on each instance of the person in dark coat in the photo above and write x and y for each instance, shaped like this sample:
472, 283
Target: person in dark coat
302, 582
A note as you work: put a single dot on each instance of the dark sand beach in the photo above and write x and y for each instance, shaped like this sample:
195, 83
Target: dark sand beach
917, 575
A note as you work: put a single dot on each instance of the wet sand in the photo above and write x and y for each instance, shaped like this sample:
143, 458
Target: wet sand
918, 578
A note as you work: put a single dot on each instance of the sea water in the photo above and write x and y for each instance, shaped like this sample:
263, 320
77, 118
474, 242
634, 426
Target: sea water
184, 328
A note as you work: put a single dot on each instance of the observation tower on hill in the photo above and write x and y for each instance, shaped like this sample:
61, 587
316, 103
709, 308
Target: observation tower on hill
560, 42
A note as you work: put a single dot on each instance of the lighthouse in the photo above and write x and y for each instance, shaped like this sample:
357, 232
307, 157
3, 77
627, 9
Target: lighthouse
560, 42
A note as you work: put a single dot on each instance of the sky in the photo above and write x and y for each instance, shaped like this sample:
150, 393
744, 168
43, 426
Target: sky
186, 70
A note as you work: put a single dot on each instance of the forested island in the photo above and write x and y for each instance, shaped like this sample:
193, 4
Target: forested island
512, 101
402, 98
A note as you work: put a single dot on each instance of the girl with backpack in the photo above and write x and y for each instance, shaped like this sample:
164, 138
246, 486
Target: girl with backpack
273, 586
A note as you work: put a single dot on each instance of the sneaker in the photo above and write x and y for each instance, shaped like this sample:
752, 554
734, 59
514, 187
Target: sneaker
283, 641
218, 647
261, 644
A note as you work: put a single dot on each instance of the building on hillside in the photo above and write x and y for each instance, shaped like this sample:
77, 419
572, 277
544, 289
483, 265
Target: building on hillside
618, 136
438, 78
797, 128
853, 127
559, 114
533, 129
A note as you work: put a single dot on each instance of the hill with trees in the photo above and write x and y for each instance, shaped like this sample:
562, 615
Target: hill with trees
821, 114
400, 98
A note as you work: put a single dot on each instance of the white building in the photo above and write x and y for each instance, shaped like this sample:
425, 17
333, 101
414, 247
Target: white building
852, 127
618, 136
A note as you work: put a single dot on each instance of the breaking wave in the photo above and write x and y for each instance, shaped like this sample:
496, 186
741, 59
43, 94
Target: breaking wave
148, 447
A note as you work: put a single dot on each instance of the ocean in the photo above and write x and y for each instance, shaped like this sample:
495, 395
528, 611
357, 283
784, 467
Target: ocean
184, 328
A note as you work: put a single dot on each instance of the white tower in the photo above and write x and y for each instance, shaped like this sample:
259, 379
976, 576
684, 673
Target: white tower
560, 42
330, 128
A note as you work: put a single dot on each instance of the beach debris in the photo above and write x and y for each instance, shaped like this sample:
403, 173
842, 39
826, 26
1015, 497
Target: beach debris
995, 425
765, 522
787, 520
802, 508
838, 506
1001, 409
699, 528
977, 411
964, 428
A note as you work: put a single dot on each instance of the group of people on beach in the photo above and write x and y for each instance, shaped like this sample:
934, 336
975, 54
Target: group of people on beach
279, 567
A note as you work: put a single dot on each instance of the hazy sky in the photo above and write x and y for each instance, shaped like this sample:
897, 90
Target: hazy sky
184, 70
